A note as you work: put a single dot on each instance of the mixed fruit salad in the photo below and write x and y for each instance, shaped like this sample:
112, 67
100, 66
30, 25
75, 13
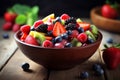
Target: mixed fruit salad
59, 32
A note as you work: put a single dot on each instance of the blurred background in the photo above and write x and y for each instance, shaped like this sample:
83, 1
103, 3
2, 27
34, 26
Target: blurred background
77, 8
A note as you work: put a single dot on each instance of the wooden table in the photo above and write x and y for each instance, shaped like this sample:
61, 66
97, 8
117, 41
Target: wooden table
11, 59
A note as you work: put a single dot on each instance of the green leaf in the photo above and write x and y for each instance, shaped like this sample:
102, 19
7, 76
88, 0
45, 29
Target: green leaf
21, 9
35, 10
21, 19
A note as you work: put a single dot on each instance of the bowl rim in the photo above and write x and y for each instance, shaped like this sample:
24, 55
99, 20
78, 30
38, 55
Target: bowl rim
18, 40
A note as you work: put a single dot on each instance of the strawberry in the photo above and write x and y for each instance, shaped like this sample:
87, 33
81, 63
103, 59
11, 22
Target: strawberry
16, 27
37, 23
31, 40
84, 25
58, 29
10, 17
23, 37
7, 26
111, 57
64, 16
25, 29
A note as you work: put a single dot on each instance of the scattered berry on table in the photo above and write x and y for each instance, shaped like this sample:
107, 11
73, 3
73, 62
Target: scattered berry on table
25, 66
84, 75
7, 26
5, 35
16, 27
110, 40
99, 72
96, 67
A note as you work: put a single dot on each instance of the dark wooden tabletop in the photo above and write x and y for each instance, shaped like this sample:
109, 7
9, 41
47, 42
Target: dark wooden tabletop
11, 59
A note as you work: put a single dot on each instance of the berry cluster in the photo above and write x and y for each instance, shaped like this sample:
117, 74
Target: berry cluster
59, 32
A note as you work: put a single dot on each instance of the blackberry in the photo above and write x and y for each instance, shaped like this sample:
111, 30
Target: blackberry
42, 28
70, 20
25, 66
70, 26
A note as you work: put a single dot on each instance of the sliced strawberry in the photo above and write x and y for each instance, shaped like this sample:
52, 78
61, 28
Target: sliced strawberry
84, 25
64, 16
25, 29
31, 40
23, 37
58, 29
37, 23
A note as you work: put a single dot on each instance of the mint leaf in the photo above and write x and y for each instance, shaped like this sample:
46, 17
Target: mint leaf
21, 19
21, 9
35, 10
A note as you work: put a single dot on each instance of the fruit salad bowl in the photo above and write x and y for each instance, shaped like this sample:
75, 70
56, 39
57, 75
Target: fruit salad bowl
112, 25
58, 58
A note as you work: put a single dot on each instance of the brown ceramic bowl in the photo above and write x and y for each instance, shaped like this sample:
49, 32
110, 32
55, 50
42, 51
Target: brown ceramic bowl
57, 59
112, 25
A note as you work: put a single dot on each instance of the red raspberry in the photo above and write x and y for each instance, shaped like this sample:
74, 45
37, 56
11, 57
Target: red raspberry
16, 27
7, 26
47, 44
50, 28
25, 29
82, 37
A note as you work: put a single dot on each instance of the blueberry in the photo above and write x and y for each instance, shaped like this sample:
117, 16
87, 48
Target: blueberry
110, 40
68, 45
65, 36
84, 75
90, 40
99, 72
96, 67
5, 36
57, 19
58, 39
80, 29
25, 66
69, 32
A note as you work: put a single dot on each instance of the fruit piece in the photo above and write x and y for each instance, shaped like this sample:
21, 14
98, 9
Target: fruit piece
70, 20
108, 11
25, 66
21, 19
25, 29
39, 36
82, 37
111, 57
84, 25
37, 23
58, 39
78, 44
10, 16
64, 16
94, 29
68, 45
16, 27
47, 44
50, 27
74, 34
23, 37
7, 26
74, 42
5, 35
52, 16
91, 35
64, 36
110, 40
48, 37
31, 40
78, 20
84, 75
42, 28
58, 45
58, 29
80, 29
70, 26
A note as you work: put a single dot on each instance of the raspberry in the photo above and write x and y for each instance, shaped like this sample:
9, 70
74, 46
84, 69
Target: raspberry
7, 26
82, 37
